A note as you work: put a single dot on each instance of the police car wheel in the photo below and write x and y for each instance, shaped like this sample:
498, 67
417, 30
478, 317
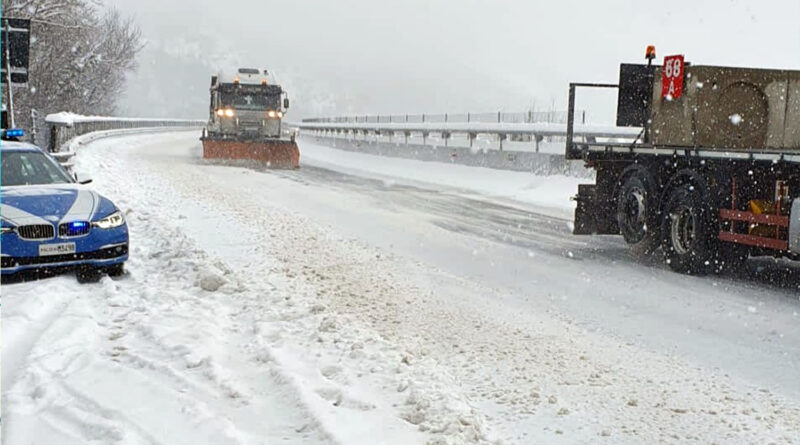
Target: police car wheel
88, 274
116, 270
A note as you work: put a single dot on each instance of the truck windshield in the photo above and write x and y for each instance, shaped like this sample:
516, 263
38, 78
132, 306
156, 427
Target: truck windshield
255, 102
251, 101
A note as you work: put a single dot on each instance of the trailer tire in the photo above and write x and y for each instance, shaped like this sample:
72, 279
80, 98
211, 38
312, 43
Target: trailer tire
637, 213
689, 238
732, 258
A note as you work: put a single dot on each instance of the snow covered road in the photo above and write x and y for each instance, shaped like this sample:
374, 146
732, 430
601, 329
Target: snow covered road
374, 300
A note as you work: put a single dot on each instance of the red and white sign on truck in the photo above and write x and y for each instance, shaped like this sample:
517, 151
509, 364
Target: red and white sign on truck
672, 77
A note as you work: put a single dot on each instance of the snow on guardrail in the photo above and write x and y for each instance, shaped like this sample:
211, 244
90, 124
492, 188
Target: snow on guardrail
68, 119
67, 130
65, 126
501, 128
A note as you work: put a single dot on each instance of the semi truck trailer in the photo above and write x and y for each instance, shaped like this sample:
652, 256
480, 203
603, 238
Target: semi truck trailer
714, 175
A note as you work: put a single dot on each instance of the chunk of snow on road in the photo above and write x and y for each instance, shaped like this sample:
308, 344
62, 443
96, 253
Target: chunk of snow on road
210, 281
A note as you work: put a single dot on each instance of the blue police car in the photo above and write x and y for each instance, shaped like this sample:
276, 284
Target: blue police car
52, 222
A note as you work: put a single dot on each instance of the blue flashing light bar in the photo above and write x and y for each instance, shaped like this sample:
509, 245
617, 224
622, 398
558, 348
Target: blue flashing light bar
13, 133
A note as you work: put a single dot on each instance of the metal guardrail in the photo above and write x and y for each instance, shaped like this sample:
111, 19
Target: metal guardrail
555, 117
537, 131
63, 128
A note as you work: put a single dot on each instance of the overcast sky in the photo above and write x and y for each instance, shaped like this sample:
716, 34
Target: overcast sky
465, 55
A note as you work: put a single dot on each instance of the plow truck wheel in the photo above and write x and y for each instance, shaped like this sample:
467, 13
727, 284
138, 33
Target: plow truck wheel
688, 232
637, 213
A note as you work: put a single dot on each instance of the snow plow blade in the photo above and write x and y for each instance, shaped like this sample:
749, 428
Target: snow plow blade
273, 153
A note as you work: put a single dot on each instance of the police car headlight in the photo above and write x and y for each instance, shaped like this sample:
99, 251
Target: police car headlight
6, 230
109, 222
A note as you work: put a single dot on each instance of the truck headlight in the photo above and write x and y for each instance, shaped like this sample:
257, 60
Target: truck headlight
271, 113
228, 112
111, 221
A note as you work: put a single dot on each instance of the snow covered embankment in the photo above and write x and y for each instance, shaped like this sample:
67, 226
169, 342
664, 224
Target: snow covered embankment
549, 195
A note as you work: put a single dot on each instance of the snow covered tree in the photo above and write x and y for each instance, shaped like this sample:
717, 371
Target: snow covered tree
80, 52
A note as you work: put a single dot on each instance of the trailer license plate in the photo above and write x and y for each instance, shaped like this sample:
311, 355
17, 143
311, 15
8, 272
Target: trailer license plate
56, 249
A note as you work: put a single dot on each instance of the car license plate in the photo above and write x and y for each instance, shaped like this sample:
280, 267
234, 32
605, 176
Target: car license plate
56, 249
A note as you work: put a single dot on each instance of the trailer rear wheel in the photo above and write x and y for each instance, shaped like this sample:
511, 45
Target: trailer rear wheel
688, 235
637, 213
732, 258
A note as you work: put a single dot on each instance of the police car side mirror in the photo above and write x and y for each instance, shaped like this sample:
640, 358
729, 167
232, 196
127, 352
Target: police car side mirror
81, 178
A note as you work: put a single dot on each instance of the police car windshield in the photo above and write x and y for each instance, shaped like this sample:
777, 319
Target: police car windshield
30, 168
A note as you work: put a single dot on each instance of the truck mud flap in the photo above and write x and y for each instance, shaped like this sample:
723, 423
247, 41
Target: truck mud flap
794, 228
593, 214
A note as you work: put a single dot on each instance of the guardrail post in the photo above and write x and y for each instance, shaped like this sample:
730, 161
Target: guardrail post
536, 140
53, 139
445, 135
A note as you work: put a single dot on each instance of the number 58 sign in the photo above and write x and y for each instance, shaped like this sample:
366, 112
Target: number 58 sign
672, 77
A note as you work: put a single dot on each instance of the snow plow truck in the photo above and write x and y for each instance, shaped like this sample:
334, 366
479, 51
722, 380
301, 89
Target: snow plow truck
245, 114
714, 176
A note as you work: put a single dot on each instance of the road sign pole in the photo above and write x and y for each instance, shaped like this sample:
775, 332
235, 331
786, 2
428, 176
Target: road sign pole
8, 73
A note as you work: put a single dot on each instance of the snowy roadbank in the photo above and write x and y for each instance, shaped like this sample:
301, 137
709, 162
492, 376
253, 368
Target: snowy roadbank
550, 195
314, 307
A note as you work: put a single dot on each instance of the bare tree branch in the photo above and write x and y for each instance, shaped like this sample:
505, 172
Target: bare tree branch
80, 54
